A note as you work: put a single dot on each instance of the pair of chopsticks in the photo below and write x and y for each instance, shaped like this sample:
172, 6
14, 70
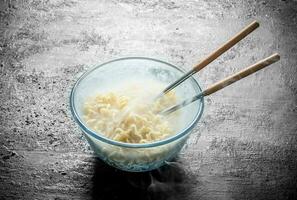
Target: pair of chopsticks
225, 82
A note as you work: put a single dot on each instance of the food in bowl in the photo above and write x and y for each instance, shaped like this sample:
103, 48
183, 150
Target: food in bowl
115, 77
130, 114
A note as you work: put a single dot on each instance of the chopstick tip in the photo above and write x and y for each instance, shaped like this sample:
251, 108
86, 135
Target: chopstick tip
256, 23
276, 56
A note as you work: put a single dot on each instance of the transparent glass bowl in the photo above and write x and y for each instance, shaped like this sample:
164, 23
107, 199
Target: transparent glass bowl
127, 156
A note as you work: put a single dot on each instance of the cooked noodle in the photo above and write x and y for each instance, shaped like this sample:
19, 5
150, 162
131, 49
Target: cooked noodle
127, 116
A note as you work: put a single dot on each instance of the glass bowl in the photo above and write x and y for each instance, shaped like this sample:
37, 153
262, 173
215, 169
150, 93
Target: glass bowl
130, 156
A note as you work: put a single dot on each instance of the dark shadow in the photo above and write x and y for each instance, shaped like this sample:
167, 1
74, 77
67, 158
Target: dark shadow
167, 182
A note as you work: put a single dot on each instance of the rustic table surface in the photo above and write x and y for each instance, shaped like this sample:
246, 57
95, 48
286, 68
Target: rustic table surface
244, 147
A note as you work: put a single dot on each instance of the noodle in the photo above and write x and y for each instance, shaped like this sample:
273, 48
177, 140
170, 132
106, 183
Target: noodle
126, 118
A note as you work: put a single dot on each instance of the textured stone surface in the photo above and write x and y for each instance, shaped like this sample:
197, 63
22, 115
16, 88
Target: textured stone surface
248, 143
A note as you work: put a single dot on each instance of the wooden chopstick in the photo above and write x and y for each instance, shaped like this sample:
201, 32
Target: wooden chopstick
225, 82
230, 43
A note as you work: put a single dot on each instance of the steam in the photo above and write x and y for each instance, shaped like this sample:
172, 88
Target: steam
168, 182
141, 94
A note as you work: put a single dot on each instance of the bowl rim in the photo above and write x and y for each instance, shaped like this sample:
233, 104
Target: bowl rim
102, 138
